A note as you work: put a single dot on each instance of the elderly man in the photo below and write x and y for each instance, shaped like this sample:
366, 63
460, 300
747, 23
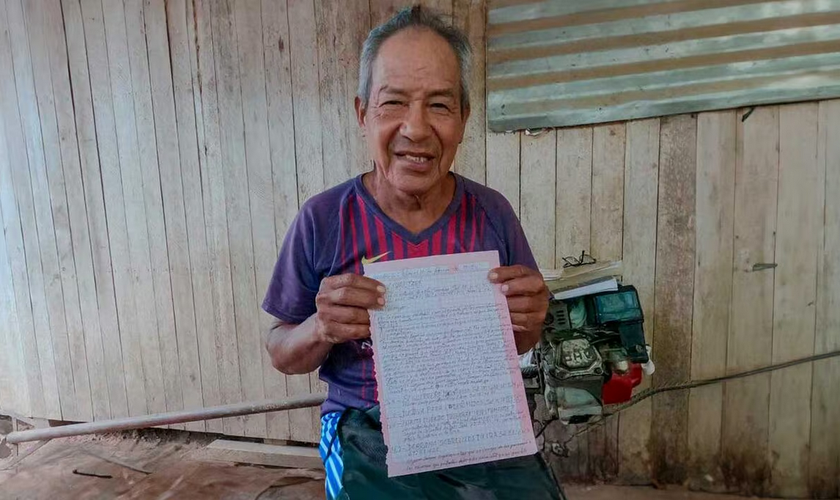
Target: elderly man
413, 104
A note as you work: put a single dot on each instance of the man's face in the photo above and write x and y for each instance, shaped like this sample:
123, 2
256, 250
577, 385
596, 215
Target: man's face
413, 121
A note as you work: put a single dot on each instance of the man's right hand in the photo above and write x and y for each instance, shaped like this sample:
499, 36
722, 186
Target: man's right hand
342, 307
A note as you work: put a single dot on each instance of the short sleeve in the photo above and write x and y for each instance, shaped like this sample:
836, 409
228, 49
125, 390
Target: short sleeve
512, 242
519, 251
295, 281
509, 229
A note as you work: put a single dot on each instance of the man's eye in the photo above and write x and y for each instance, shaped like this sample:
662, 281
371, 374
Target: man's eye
440, 105
392, 103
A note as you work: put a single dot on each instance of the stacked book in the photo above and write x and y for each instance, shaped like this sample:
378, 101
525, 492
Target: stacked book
571, 282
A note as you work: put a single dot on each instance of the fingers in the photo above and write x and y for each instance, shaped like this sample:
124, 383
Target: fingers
343, 302
506, 273
524, 304
346, 315
518, 280
352, 281
338, 332
526, 322
532, 285
527, 286
519, 319
527, 298
350, 296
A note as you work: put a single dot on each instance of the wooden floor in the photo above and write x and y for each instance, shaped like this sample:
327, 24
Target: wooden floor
167, 464
151, 464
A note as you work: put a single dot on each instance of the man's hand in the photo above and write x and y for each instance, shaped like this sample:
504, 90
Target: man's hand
342, 307
527, 298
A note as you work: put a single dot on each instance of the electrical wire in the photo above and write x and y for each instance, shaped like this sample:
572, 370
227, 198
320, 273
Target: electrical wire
612, 410
700, 383
543, 426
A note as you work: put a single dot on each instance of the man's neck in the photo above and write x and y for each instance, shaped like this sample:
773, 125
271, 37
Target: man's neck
414, 212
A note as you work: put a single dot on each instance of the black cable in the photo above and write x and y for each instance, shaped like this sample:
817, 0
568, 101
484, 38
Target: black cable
615, 409
543, 426
716, 380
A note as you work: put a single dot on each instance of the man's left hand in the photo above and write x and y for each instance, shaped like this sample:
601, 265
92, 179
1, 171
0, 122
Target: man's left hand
527, 298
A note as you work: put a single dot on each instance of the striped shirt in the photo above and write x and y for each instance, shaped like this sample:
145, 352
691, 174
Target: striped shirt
336, 229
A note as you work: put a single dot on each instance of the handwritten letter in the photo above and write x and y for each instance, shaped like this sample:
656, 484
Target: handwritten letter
450, 390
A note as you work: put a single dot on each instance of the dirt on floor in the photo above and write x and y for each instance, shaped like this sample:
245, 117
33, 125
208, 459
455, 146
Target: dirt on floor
606, 492
158, 464
151, 464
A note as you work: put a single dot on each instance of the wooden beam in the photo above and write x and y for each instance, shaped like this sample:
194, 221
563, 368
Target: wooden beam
606, 224
674, 294
799, 233
641, 181
223, 450
746, 404
715, 199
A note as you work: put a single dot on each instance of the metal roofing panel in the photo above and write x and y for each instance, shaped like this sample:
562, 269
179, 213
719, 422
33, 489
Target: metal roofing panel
571, 62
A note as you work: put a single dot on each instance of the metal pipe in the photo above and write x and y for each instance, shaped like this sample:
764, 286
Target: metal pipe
175, 417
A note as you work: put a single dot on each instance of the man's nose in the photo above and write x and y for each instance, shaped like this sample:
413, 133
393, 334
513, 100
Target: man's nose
416, 126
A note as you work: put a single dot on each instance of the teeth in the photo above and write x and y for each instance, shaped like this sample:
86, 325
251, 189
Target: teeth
417, 159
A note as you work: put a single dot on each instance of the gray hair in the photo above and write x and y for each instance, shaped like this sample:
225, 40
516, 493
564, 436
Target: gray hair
418, 18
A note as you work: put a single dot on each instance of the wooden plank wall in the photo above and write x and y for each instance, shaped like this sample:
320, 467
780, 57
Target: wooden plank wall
153, 153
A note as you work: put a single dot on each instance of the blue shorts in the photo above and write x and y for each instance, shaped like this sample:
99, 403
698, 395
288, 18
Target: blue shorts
330, 450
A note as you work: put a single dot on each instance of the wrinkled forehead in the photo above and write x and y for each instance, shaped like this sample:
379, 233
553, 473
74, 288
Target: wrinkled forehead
416, 60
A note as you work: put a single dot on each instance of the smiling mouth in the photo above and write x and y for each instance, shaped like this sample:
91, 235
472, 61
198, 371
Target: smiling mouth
420, 159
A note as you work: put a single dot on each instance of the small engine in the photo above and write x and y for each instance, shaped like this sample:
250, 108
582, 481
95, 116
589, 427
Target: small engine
592, 353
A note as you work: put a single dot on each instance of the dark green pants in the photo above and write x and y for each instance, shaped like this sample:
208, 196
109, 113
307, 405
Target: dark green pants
365, 474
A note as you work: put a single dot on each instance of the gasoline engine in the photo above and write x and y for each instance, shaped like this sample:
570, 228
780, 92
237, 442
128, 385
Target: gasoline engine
592, 353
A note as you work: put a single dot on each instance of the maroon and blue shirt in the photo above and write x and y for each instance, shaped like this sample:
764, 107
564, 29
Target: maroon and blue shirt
336, 229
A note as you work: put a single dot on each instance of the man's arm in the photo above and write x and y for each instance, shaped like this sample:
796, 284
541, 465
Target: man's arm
342, 314
296, 349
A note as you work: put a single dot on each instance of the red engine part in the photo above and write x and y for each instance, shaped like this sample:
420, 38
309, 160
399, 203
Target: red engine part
619, 388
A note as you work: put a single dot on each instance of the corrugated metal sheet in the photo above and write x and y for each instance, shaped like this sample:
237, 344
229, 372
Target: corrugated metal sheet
572, 62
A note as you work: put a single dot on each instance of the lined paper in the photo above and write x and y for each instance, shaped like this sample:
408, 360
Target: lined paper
450, 389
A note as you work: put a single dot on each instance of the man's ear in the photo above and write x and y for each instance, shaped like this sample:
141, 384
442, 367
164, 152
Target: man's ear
465, 114
361, 112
